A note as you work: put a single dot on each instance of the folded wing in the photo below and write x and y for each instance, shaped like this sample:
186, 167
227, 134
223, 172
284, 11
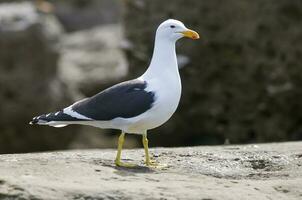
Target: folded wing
126, 100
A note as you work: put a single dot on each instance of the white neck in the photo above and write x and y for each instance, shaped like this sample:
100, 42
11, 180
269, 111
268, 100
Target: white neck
164, 61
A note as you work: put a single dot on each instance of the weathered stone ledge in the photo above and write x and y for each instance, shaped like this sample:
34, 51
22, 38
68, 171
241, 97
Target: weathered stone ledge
262, 171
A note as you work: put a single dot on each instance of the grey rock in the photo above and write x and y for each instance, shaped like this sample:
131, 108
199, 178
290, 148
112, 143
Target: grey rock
17, 16
79, 15
92, 59
29, 83
262, 171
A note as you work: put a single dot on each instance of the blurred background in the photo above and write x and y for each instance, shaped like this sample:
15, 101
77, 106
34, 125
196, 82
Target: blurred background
242, 81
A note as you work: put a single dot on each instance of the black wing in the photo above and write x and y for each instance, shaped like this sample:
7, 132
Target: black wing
126, 100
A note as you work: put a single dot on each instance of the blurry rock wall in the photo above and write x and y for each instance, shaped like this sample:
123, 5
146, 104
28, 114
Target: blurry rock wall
53, 53
29, 84
84, 14
243, 78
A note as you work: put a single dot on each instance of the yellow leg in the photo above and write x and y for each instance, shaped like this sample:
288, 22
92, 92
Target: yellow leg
118, 162
149, 162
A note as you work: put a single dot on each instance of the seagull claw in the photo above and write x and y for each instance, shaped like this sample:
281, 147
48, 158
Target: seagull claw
152, 163
155, 164
122, 164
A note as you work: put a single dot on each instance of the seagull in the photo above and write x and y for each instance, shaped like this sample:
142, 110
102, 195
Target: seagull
137, 105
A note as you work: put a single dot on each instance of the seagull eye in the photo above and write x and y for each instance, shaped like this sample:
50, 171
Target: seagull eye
172, 26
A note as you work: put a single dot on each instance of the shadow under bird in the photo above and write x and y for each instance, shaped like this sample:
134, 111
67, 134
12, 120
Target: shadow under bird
134, 106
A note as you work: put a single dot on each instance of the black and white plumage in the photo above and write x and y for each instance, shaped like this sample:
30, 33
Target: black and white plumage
125, 100
137, 105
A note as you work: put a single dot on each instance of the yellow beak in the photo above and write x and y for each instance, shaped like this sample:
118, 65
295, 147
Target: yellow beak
191, 34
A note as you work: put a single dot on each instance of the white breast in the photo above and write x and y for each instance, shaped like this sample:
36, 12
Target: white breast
167, 95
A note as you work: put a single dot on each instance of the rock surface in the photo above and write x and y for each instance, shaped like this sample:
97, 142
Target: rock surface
91, 59
29, 83
43, 69
262, 171
243, 81
78, 15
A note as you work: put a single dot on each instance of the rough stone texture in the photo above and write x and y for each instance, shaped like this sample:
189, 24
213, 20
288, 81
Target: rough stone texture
84, 14
264, 171
92, 59
29, 84
244, 76
75, 15
91, 137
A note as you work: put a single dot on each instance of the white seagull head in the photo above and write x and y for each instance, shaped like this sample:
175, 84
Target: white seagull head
173, 30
